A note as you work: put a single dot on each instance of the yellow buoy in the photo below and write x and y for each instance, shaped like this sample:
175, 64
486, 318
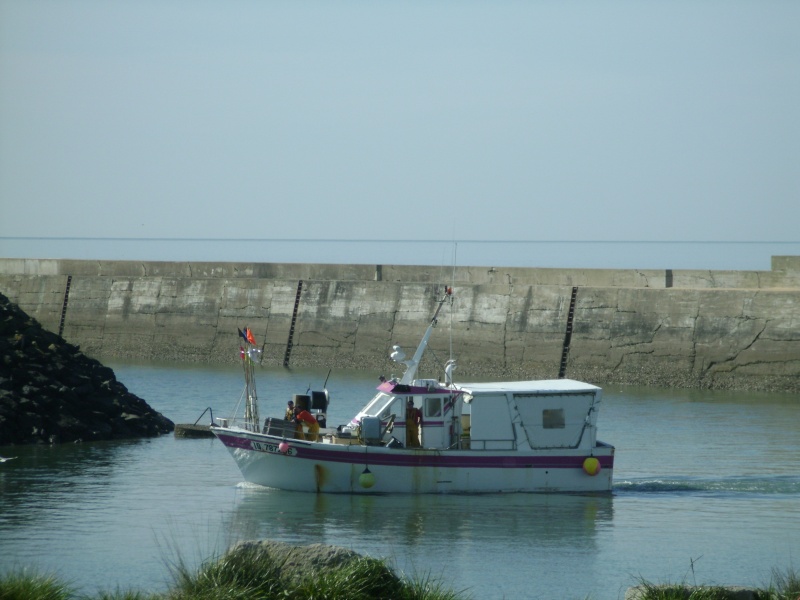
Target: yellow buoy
591, 466
366, 479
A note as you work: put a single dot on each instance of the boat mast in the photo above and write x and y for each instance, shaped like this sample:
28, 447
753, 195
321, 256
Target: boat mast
413, 363
250, 355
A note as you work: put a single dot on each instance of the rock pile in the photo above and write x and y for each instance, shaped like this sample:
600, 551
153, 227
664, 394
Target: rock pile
50, 392
298, 561
295, 562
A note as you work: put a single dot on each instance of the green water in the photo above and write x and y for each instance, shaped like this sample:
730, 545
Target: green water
703, 479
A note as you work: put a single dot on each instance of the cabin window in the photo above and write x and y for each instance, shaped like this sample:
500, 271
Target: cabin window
380, 407
433, 407
553, 418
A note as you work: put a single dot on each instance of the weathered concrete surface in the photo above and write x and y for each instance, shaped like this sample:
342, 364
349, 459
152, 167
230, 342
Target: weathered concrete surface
785, 272
711, 329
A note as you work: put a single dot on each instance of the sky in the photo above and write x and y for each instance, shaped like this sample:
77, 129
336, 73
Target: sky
529, 121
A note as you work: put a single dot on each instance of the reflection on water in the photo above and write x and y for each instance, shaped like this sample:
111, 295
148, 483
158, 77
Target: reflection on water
417, 521
107, 514
53, 476
449, 537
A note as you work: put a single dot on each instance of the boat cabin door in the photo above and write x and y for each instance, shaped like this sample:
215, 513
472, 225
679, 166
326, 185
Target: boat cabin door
436, 416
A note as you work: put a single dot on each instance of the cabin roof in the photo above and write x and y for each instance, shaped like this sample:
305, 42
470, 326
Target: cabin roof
399, 389
539, 385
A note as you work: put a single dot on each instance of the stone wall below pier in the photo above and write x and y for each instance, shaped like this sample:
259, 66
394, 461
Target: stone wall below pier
717, 329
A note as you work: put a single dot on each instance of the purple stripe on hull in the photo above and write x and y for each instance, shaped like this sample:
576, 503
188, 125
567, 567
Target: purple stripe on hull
476, 460
400, 458
232, 441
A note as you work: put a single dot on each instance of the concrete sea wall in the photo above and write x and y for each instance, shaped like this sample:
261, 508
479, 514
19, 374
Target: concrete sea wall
717, 329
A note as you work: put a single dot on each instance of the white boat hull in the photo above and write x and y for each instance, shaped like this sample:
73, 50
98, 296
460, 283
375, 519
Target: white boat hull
337, 468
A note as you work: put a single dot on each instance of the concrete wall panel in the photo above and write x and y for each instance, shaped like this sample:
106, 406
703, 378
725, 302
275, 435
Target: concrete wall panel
716, 329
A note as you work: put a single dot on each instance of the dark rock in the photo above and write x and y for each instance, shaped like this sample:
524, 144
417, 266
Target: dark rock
50, 392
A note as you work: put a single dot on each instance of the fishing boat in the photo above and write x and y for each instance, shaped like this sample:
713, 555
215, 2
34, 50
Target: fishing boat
426, 436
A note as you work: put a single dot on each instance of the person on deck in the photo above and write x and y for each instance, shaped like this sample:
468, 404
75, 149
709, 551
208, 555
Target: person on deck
289, 411
303, 416
413, 422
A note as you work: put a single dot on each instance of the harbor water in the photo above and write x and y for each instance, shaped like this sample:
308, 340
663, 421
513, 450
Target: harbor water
706, 491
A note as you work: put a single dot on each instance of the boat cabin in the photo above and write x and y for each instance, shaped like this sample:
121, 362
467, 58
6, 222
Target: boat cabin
518, 415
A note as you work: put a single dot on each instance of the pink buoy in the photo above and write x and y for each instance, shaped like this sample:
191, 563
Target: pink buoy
283, 447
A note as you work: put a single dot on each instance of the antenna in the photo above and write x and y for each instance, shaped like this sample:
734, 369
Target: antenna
398, 355
452, 284
325, 385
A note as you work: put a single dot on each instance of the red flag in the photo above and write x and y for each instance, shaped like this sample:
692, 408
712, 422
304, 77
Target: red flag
250, 337
241, 352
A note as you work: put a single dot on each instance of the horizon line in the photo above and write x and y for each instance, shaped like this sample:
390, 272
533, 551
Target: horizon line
381, 240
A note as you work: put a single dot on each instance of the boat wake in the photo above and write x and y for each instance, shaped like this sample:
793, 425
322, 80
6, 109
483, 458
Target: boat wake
775, 485
246, 485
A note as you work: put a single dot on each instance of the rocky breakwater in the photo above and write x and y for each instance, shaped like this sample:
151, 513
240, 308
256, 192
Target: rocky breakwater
50, 392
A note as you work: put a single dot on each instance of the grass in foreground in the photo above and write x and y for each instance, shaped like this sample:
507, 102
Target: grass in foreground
21, 584
682, 592
251, 576
785, 585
